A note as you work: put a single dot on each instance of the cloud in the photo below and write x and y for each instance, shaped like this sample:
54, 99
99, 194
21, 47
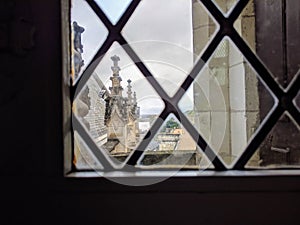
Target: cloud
159, 31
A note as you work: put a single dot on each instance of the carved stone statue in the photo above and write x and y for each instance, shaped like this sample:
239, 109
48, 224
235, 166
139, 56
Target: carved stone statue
78, 49
78, 30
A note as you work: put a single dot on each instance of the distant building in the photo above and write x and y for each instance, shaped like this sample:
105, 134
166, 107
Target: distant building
144, 126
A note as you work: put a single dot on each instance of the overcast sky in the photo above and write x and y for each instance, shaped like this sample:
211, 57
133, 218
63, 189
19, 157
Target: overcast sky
160, 31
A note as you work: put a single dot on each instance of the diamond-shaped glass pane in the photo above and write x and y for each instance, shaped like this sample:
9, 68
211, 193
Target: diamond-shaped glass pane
83, 157
162, 32
117, 105
173, 147
113, 9
297, 101
229, 102
88, 35
225, 5
271, 29
281, 147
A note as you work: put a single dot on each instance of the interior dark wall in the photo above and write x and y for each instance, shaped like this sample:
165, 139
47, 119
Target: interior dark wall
33, 189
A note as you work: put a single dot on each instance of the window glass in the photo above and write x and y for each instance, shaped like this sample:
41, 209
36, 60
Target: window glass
113, 9
179, 85
225, 5
88, 34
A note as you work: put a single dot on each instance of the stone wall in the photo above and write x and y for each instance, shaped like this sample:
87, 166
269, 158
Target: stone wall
229, 77
95, 116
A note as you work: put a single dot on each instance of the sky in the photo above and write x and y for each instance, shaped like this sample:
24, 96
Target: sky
160, 32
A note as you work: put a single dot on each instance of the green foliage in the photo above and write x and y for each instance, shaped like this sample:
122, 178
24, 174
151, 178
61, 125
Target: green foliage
172, 124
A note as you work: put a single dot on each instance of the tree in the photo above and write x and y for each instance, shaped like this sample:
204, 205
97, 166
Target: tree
172, 124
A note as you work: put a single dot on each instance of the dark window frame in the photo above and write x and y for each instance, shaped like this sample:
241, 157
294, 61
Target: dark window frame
285, 97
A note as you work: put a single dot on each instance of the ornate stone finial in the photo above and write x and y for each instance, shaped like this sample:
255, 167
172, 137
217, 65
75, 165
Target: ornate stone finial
116, 88
129, 92
134, 98
129, 85
116, 69
115, 59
